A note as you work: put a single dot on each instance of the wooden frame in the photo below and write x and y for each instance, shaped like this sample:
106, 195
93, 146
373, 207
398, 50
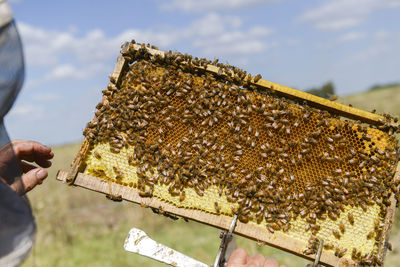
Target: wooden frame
75, 176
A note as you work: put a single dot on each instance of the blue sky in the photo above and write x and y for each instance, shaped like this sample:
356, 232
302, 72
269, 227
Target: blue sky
71, 48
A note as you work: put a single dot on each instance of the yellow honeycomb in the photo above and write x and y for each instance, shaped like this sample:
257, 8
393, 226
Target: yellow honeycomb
354, 236
101, 162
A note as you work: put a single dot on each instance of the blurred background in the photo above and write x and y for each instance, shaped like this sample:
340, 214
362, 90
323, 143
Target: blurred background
345, 47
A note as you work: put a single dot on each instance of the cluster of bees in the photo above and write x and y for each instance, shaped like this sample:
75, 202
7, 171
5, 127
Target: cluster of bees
277, 159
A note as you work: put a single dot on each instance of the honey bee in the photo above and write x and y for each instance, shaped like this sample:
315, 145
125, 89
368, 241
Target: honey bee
270, 229
119, 173
336, 233
114, 150
199, 192
112, 79
112, 197
257, 78
328, 246
340, 252
341, 227
182, 196
351, 218
260, 244
329, 139
97, 155
286, 227
363, 206
370, 235
217, 208
309, 252
333, 97
332, 215
354, 254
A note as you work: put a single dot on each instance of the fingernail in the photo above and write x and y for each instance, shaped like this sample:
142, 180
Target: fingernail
41, 174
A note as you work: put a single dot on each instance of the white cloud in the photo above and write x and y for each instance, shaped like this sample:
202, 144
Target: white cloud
27, 110
343, 14
378, 56
212, 24
343, 39
292, 42
381, 49
351, 36
65, 71
69, 71
69, 55
211, 5
382, 35
47, 47
45, 97
223, 36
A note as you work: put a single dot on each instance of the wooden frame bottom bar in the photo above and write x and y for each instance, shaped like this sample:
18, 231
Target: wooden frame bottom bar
248, 230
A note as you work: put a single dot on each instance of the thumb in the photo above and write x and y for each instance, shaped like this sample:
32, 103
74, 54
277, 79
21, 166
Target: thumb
33, 178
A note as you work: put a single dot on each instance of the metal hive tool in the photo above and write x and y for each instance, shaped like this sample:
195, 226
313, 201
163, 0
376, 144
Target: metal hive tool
204, 141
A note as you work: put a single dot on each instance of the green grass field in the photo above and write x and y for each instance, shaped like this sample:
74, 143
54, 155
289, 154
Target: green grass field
383, 100
78, 227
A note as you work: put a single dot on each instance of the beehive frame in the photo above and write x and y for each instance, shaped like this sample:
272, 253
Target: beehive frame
75, 176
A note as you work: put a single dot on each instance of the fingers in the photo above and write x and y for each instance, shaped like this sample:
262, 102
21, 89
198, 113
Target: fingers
33, 152
271, 263
26, 167
257, 260
238, 257
33, 178
43, 163
29, 180
24, 148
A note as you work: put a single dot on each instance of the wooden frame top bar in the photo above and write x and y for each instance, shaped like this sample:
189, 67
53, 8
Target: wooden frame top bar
312, 100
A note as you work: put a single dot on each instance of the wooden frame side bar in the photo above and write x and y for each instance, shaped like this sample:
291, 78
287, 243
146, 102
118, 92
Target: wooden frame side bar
115, 79
389, 220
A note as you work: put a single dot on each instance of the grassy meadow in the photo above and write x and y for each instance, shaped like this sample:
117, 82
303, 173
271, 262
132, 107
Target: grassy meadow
78, 227
383, 100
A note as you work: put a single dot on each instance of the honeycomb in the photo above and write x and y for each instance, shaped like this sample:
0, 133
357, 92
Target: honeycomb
205, 141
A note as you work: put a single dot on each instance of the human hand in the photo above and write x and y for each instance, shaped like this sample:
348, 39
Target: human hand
240, 258
14, 158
